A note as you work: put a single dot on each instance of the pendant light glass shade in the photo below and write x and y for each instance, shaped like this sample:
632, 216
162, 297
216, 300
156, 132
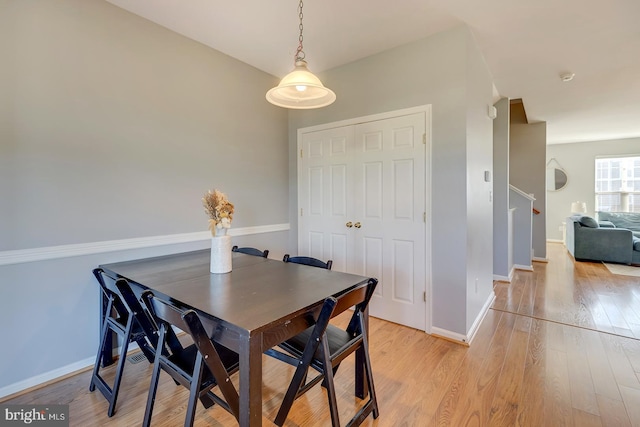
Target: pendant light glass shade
301, 89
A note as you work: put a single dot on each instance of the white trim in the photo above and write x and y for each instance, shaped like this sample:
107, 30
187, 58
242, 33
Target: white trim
555, 241
523, 267
453, 336
366, 119
498, 278
80, 249
522, 193
476, 325
47, 376
538, 259
466, 339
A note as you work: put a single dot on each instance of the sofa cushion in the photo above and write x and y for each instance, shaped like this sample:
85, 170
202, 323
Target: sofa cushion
587, 221
636, 243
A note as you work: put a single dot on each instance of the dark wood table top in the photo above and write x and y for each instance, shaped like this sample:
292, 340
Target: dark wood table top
257, 293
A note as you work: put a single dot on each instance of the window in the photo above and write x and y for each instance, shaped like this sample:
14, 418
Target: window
618, 184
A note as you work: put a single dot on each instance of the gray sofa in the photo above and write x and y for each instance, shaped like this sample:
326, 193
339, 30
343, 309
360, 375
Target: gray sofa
588, 240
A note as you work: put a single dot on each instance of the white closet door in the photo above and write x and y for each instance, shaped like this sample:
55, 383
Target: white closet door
389, 205
323, 182
362, 201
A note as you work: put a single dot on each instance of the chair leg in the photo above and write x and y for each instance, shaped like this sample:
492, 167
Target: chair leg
369, 372
96, 367
120, 368
153, 387
329, 384
194, 392
290, 396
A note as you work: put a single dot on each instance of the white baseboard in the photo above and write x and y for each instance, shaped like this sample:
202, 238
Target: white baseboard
507, 279
523, 267
555, 241
79, 249
47, 376
476, 324
468, 338
538, 259
451, 336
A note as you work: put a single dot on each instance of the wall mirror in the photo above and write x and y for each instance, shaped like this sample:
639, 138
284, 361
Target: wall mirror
556, 176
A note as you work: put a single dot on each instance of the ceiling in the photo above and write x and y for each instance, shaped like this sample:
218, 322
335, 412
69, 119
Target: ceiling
527, 44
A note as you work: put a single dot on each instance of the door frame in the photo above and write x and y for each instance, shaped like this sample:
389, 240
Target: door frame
426, 109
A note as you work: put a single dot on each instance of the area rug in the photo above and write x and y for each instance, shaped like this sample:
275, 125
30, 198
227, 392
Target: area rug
625, 270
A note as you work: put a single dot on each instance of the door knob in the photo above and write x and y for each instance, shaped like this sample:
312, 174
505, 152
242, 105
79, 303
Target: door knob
357, 225
349, 224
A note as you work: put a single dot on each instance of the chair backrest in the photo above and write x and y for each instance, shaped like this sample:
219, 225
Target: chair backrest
357, 297
120, 310
166, 315
251, 251
145, 319
305, 260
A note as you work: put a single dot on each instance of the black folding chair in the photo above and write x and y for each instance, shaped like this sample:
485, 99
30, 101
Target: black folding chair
251, 251
305, 260
199, 367
123, 315
323, 347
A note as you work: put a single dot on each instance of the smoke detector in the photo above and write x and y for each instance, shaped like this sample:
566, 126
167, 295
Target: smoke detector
567, 77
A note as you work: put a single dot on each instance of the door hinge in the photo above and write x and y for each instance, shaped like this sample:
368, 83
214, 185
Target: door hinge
301, 153
424, 217
300, 211
424, 138
424, 296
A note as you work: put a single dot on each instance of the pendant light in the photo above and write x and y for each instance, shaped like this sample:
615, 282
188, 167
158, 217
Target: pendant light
300, 89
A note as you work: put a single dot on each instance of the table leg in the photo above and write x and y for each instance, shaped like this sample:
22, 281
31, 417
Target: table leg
251, 381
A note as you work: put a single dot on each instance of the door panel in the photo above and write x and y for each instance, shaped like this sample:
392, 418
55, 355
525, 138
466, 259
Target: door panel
323, 170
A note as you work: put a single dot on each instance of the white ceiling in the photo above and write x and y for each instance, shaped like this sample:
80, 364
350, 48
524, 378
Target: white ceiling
527, 44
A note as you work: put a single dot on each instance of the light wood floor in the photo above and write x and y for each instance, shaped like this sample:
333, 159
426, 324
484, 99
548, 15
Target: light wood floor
560, 347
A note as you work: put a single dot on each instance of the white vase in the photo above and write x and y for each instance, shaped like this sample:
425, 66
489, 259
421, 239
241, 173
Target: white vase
220, 254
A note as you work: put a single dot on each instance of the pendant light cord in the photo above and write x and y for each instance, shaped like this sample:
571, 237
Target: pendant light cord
300, 53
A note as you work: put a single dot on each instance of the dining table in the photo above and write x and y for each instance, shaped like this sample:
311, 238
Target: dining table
259, 304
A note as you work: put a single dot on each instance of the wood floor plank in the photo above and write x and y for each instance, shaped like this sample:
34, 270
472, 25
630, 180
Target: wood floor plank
507, 401
583, 396
531, 412
558, 407
604, 380
631, 399
585, 419
613, 412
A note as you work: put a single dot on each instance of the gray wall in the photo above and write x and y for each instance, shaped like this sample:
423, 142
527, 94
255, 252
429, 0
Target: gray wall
501, 267
527, 160
578, 160
438, 70
118, 127
113, 128
479, 204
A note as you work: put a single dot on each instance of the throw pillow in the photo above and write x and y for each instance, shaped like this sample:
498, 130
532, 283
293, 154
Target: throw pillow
587, 221
636, 243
